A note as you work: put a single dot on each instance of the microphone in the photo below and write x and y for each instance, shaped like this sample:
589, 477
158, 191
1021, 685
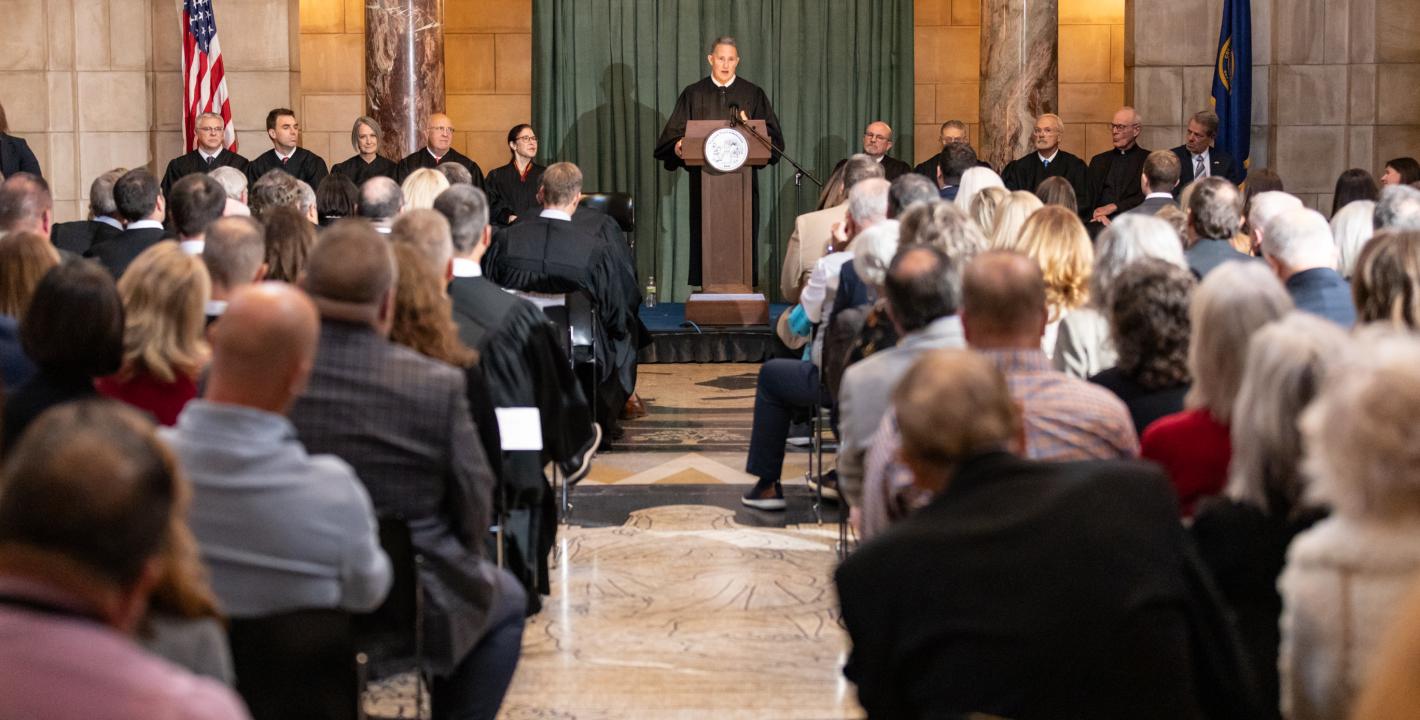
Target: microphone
735, 114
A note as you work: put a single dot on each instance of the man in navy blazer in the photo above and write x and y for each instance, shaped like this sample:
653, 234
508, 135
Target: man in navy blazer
1297, 245
1198, 158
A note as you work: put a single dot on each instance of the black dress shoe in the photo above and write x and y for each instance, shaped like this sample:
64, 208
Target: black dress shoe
575, 468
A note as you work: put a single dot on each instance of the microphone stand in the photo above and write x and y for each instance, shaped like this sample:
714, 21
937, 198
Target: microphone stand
799, 172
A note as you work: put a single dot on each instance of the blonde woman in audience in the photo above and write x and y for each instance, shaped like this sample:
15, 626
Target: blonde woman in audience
1195, 446
1352, 227
984, 207
165, 293
24, 258
1243, 534
1083, 347
1346, 576
1010, 216
421, 187
289, 239
1058, 191
973, 181
1386, 281
1177, 219
1056, 239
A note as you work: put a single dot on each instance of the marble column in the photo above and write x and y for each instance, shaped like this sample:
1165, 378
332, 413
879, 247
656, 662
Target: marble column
1019, 74
404, 69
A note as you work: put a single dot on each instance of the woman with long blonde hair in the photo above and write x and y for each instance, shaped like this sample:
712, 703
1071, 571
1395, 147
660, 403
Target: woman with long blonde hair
165, 293
24, 258
1056, 239
1011, 215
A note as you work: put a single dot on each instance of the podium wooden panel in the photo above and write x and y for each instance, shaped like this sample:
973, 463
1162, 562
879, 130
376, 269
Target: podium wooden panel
726, 231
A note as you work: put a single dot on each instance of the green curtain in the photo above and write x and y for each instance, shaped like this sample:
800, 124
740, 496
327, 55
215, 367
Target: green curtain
606, 74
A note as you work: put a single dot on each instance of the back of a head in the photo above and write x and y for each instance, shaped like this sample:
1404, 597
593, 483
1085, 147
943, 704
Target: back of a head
423, 315
1268, 205
1263, 180
422, 186
275, 189
165, 292
25, 257
868, 201
267, 329
984, 207
561, 184
1386, 283
858, 168
289, 239
135, 194
1003, 294
952, 405
466, 209
1352, 185
1299, 238
1148, 321
943, 225
1057, 240
101, 202
922, 285
973, 181
1010, 216
873, 250
24, 199
908, 190
234, 250
380, 198
75, 322
456, 174
336, 198
352, 264
1057, 190
196, 201
89, 481
428, 232
957, 158
1162, 170
1215, 209
1131, 237
1231, 303
1398, 208
233, 181
1352, 227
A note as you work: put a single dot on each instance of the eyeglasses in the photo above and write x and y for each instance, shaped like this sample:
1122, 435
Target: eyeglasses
1117, 127
210, 129
875, 136
441, 128
527, 138
1045, 131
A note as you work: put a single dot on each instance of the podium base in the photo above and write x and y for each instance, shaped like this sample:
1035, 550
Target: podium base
727, 309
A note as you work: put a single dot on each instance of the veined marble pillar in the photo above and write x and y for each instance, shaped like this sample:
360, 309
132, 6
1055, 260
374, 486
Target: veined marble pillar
1019, 74
404, 69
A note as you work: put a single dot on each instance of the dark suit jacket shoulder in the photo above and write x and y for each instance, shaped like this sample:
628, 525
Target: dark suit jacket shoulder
16, 156
1322, 291
78, 236
1205, 255
116, 253
1220, 164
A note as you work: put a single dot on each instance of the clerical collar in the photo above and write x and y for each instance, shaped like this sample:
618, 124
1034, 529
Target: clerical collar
555, 214
111, 222
465, 268
437, 158
1126, 151
733, 78
1050, 159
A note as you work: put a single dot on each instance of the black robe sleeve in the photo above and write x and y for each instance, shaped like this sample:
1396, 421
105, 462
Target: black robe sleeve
674, 131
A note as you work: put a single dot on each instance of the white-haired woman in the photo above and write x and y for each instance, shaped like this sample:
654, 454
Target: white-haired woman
1194, 446
367, 162
1082, 347
1352, 227
1243, 534
1347, 575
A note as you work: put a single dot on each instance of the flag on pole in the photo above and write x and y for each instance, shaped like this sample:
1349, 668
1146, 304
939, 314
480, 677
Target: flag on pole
204, 82
1232, 80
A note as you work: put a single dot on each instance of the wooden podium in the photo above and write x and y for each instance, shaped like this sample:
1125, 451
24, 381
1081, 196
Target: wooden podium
726, 230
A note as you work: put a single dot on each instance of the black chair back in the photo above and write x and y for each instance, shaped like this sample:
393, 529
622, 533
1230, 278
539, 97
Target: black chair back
620, 206
392, 635
297, 665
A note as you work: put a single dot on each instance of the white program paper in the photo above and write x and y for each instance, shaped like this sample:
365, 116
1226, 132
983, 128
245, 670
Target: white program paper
519, 428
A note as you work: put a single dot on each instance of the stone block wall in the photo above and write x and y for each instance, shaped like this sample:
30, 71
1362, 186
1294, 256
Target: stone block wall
487, 74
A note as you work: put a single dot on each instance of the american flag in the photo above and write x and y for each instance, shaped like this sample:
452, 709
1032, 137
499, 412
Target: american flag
204, 82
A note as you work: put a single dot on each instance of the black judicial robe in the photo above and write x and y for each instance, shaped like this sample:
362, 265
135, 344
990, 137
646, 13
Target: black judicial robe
510, 194
192, 164
304, 164
928, 168
422, 158
704, 100
80, 235
1114, 178
596, 222
359, 171
1028, 172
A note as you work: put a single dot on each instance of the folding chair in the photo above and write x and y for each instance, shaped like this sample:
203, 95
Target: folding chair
392, 636
298, 665
620, 206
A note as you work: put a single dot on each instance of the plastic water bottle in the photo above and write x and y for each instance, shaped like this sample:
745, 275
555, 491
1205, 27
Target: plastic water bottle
651, 292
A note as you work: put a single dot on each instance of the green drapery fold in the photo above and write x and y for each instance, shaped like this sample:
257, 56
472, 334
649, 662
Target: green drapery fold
606, 74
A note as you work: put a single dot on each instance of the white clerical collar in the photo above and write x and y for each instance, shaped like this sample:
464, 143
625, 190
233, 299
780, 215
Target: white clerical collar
437, 158
144, 225
287, 156
725, 84
463, 267
192, 247
109, 222
1050, 159
555, 214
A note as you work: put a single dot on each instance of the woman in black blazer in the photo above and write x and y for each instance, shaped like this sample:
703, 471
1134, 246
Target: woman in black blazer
15, 155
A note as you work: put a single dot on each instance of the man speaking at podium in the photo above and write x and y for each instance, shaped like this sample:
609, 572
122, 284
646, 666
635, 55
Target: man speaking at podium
712, 98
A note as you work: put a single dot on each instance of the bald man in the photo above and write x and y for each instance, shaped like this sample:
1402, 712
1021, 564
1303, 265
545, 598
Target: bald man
877, 141
438, 149
280, 529
285, 153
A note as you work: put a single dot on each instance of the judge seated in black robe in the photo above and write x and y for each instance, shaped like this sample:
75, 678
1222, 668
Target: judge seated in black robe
512, 188
1047, 161
523, 361
285, 132
440, 131
103, 224
550, 254
877, 141
367, 162
712, 99
953, 132
209, 154
1114, 174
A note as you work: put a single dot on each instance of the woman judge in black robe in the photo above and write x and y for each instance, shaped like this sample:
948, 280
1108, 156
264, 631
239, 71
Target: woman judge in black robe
512, 188
367, 162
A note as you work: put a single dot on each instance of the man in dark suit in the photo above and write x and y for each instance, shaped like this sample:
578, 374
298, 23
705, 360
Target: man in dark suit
1198, 158
953, 132
957, 158
285, 132
550, 254
211, 153
1029, 588
1158, 182
1114, 174
194, 203
1297, 245
1029, 171
79, 235
877, 141
141, 204
438, 150
1214, 215
402, 421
